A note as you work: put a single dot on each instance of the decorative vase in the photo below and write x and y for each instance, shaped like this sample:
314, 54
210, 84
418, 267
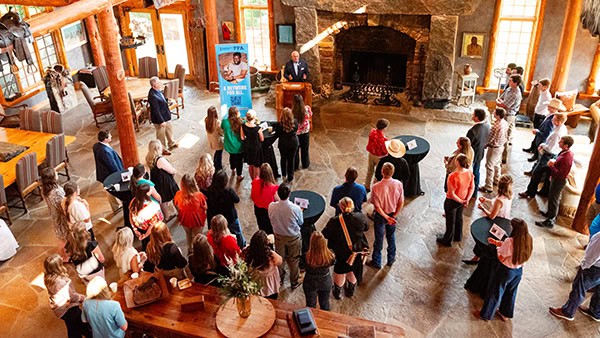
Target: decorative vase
244, 306
467, 69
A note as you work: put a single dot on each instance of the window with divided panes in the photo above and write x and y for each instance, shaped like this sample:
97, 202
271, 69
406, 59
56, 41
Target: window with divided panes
254, 16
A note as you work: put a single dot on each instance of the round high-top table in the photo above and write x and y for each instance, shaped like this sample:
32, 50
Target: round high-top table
488, 260
123, 193
316, 207
413, 157
267, 148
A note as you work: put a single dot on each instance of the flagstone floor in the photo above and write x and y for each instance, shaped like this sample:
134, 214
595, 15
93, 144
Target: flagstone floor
423, 292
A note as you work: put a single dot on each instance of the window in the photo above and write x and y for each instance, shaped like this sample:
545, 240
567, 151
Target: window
515, 34
255, 30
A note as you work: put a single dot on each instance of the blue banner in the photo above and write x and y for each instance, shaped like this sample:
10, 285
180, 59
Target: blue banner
234, 77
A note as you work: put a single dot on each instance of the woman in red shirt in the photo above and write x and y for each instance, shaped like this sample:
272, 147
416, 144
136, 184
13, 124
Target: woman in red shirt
224, 244
376, 148
264, 192
191, 208
460, 190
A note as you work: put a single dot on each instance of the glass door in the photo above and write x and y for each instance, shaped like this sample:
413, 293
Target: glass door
175, 47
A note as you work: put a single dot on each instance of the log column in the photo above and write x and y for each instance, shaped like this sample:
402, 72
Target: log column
212, 39
591, 85
589, 188
116, 79
566, 46
97, 52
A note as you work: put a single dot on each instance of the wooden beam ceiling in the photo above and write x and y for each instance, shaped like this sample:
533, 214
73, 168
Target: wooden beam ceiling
44, 3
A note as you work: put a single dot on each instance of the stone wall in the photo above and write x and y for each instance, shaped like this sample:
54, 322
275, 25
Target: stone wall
439, 67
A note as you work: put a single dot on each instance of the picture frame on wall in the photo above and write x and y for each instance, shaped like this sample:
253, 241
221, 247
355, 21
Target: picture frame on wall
73, 35
286, 34
228, 30
473, 45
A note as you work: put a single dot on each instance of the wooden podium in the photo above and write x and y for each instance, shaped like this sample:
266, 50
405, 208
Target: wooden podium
285, 92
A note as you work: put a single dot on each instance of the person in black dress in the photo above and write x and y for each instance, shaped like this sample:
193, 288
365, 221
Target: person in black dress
356, 225
221, 200
288, 142
252, 136
202, 262
162, 173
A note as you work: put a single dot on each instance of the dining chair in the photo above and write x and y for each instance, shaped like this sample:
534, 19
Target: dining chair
27, 177
170, 91
138, 112
52, 122
10, 119
30, 119
148, 67
4, 201
180, 75
56, 155
100, 108
100, 75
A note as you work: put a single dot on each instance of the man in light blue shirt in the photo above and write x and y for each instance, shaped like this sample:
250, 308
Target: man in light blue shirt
587, 278
286, 218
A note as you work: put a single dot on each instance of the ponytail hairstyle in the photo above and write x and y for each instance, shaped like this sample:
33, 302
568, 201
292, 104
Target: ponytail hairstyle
71, 189
346, 205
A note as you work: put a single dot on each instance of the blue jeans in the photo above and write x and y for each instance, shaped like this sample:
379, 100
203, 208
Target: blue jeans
236, 230
585, 280
381, 228
218, 160
476, 166
502, 291
317, 287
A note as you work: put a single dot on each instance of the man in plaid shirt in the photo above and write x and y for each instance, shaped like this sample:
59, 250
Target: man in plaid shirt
510, 100
495, 145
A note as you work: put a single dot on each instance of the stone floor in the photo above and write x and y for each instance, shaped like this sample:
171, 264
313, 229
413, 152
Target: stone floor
423, 291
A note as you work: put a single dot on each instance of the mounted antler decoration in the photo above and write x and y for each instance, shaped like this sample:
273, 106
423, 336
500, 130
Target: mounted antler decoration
590, 16
14, 34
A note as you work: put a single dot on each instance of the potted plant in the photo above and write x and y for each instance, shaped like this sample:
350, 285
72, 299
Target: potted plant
240, 285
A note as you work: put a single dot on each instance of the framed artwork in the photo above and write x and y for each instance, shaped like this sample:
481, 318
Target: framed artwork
286, 34
473, 45
228, 31
73, 35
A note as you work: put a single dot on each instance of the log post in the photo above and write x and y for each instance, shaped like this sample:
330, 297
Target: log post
212, 39
566, 46
116, 79
589, 188
92, 29
592, 79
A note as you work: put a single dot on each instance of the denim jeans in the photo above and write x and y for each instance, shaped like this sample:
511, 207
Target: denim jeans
382, 227
218, 160
476, 167
502, 291
586, 279
236, 230
317, 286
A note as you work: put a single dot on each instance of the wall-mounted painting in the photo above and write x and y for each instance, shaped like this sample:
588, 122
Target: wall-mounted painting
73, 35
472, 45
286, 34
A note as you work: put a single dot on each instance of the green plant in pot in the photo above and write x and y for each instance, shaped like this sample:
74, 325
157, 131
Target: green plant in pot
240, 285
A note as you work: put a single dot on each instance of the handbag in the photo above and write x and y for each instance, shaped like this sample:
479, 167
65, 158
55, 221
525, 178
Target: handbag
147, 292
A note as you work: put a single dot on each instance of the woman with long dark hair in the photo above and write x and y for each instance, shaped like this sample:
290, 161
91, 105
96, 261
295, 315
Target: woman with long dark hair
214, 132
303, 115
286, 128
263, 193
513, 252
264, 260
143, 214
232, 142
221, 200
138, 177
202, 262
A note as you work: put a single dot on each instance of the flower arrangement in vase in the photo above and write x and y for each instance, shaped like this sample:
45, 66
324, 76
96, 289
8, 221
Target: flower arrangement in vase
240, 285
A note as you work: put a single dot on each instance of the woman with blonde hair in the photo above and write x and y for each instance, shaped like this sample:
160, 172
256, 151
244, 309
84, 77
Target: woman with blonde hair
104, 314
64, 300
84, 253
346, 236
191, 209
224, 244
265, 261
286, 128
214, 132
204, 172
162, 173
125, 255
263, 193
75, 208
202, 262
463, 146
252, 136
512, 253
232, 142
303, 114
317, 281
164, 253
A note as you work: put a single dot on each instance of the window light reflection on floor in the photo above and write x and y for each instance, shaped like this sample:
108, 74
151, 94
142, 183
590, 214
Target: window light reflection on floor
39, 281
188, 141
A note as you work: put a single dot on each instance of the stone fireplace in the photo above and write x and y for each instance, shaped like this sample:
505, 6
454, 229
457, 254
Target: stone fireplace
415, 38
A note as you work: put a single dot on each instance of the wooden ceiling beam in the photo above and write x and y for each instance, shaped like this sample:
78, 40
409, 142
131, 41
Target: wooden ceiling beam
43, 3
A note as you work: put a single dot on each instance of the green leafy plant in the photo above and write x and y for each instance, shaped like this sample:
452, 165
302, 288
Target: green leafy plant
240, 282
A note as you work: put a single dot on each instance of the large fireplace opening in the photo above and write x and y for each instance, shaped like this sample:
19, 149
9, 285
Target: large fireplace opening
375, 68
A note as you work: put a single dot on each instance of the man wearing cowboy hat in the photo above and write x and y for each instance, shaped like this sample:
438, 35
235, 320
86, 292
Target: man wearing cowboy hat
544, 129
396, 151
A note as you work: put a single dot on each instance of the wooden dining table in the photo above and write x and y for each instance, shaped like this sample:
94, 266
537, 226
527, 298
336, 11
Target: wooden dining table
165, 318
138, 87
36, 143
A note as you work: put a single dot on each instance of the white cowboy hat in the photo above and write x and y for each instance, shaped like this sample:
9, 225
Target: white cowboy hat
395, 148
557, 104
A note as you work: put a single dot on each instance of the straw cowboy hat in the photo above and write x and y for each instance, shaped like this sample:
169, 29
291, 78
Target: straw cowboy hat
395, 148
556, 103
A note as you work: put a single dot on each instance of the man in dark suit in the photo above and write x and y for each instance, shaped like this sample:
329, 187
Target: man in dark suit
107, 162
160, 115
478, 134
296, 70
